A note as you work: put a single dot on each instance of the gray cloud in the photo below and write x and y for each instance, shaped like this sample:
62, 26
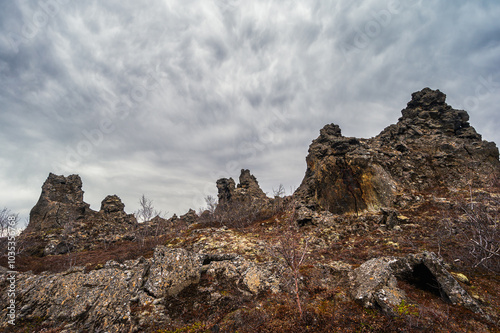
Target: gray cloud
163, 98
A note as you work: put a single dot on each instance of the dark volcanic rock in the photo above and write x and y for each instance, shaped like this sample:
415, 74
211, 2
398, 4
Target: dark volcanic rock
61, 221
342, 175
190, 217
225, 187
243, 204
112, 204
248, 190
61, 201
113, 209
432, 145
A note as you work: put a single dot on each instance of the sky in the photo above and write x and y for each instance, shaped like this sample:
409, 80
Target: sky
164, 97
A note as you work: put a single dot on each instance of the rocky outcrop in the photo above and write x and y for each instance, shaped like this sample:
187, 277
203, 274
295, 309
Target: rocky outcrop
138, 293
190, 217
374, 283
61, 201
62, 222
432, 145
113, 209
342, 175
243, 202
247, 191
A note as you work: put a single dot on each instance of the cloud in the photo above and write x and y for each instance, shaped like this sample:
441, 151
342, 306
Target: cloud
163, 98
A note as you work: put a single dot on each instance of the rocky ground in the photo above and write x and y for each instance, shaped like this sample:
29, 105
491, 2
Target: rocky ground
398, 233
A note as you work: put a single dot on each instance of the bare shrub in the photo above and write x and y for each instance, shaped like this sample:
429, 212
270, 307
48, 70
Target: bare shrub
470, 232
211, 202
291, 250
279, 198
7, 219
146, 211
482, 228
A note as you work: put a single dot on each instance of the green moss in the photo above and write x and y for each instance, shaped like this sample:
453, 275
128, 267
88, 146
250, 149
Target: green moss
405, 309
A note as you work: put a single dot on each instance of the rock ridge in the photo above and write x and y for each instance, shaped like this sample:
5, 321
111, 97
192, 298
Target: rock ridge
432, 145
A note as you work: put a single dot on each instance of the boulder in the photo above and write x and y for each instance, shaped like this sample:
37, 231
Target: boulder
374, 283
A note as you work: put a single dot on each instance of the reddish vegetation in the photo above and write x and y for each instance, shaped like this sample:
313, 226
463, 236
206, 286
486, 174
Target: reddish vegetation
324, 308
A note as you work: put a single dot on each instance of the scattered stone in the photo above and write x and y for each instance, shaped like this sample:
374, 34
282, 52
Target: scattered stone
461, 277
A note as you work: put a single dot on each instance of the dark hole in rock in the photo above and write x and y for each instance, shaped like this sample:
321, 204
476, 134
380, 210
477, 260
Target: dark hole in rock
304, 222
422, 278
209, 258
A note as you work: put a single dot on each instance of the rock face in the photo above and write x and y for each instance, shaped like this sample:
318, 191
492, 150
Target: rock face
61, 221
115, 297
432, 145
61, 201
342, 175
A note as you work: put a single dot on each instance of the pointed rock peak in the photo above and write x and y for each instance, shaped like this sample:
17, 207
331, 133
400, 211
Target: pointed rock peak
247, 180
60, 202
427, 113
112, 204
427, 98
329, 132
225, 187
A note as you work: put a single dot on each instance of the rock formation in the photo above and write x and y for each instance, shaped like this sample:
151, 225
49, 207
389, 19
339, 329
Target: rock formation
247, 266
61, 201
113, 209
247, 191
374, 283
61, 221
243, 200
431, 146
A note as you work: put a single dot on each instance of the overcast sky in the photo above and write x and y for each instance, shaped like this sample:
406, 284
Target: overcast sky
163, 97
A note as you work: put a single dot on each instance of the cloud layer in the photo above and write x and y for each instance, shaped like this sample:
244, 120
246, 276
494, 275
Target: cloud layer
164, 97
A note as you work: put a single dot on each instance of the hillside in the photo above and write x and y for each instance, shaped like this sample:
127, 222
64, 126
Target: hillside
396, 233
